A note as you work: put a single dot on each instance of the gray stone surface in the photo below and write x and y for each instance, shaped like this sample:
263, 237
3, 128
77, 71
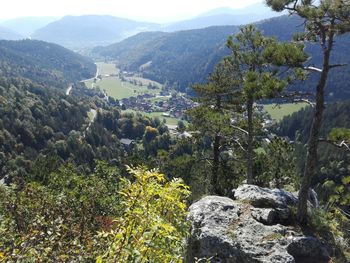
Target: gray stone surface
264, 197
249, 229
267, 216
308, 248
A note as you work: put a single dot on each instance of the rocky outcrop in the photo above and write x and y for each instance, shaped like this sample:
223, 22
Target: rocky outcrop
254, 227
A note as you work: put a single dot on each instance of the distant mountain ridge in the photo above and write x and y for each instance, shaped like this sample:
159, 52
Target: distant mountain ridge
258, 8
186, 57
8, 34
26, 26
224, 16
89, 30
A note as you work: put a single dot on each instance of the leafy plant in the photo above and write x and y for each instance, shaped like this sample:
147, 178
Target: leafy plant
152, 226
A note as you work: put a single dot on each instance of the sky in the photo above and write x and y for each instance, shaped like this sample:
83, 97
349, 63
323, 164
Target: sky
146, 10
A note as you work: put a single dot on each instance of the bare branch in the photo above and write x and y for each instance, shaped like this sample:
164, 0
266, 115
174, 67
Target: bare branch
295, 94
312, 104
337, 65
239, 144
240, 129
241, 160
295, 97
341, 145
345, 213
314, 69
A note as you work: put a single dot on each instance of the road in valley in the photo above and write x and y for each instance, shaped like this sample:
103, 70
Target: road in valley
92, 111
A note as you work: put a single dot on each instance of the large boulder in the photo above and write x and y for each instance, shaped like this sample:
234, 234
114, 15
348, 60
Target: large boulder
255, 227
264, 197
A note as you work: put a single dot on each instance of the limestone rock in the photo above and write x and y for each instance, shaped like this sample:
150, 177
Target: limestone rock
266, 216
264, 197
249, 230
308, 249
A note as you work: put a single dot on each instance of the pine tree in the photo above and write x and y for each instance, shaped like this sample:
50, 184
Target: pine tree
258, 62
324, 21
211, 118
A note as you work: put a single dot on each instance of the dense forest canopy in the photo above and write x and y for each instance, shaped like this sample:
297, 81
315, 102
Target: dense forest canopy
297, 125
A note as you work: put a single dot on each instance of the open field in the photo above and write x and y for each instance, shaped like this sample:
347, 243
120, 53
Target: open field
279, 111
118, 89
106, 68
146, 82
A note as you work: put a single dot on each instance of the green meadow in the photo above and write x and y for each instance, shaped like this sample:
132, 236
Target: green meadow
106, 68
279, 111
118, 89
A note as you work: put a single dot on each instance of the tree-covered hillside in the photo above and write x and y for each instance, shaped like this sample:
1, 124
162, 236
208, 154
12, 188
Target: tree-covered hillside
43, 63
180, 58
335, 115
333, 163
187, 57
39, 120
54, 190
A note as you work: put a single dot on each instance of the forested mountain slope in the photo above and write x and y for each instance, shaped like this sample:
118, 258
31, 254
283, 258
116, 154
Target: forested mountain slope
333, 164
336, 115
40, 123
181, 57
186, 57
43, 63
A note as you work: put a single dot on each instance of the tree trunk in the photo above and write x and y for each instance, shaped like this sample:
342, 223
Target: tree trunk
311, 156
250, 174
215, 167
216, 153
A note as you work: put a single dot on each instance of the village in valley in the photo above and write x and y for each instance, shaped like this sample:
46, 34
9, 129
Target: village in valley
134, 93
173, 105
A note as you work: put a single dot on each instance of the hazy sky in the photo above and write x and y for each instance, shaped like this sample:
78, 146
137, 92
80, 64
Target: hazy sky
150, 10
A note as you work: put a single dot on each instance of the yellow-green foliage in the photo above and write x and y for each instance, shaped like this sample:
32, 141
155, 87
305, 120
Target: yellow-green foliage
340, 134
152, 227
